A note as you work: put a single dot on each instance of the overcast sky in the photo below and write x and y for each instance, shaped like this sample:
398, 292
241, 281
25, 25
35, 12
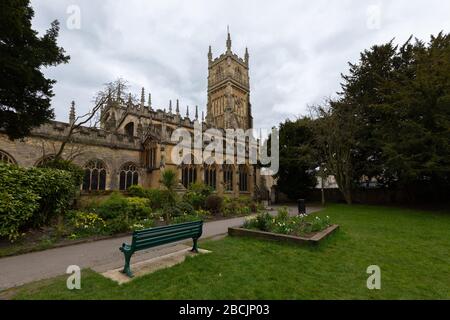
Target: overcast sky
297, 48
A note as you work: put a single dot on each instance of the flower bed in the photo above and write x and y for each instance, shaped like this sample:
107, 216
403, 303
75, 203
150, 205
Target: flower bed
121, 213
298, 229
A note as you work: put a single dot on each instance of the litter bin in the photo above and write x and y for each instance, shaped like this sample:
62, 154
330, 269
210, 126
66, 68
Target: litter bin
301, 206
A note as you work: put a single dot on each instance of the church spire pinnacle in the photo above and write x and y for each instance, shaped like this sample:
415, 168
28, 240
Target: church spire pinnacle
228, 39
142, 97
209, 54
72, 113
246, 56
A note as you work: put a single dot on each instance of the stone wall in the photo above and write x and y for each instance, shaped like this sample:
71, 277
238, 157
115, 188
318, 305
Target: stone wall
29, 151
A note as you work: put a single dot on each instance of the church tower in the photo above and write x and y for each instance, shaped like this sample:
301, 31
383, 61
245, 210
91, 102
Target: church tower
228, 103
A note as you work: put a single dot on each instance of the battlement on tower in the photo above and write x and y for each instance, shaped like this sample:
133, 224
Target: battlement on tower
233, 55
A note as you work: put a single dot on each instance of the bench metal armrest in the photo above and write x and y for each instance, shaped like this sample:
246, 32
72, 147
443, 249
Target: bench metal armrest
125, 248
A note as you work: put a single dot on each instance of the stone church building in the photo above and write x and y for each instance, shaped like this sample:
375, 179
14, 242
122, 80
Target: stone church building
132, 143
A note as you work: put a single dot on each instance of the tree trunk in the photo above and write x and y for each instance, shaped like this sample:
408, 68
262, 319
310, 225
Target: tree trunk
347, 196
346, 189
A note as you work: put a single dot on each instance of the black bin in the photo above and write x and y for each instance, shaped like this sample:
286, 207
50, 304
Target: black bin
301, 206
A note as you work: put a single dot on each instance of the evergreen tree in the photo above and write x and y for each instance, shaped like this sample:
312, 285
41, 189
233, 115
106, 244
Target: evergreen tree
296, 174
25, 93
417, 134
401, 99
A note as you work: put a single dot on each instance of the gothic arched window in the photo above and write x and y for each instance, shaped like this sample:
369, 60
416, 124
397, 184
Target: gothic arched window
150, 157
94, 176
128, 176
228, 177
188, 172
243, 178
6, 157
210, 176
129, 129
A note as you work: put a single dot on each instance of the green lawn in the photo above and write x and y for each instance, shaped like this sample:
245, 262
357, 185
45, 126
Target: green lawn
411, 248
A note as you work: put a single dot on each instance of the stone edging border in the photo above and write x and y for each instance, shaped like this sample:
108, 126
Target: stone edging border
314, 240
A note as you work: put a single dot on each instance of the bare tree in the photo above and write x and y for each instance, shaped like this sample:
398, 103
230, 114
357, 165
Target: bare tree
335, 127
112, 90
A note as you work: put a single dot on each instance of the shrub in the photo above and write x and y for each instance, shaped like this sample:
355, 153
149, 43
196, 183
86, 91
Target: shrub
158, 198
195, 199
229, 207
56, 190
117, 225
115, 206
32, 197
138, 208
185, 208
16, 209
138, 191
196, 195
17, 203
236, 206
118, 206
67, 165
181, 208
200, 188
213, 203
169, 212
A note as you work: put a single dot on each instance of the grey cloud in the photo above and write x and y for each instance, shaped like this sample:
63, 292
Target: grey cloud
297, 48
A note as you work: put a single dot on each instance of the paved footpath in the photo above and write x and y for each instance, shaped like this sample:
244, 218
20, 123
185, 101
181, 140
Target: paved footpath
99, 255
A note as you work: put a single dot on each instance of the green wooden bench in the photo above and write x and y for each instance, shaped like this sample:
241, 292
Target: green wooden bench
152, 237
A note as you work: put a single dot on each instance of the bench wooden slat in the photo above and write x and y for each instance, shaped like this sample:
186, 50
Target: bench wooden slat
154, 243
186, 233
164, 238
169, 227
163, 231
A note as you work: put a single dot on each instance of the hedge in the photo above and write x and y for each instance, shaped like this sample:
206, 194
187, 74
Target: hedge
32, 197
